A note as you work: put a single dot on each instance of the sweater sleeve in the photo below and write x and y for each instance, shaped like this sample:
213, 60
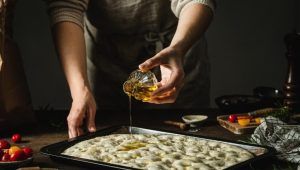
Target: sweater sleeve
67, 11
178, 5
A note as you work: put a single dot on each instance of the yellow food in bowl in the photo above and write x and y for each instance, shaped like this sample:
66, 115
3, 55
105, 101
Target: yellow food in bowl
244, 121
258, 120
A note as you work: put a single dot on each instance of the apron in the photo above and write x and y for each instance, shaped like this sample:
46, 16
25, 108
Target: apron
120, 35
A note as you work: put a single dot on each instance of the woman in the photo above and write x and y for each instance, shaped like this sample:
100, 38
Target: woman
101, 41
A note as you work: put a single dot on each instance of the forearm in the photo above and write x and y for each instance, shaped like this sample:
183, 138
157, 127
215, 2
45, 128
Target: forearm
193, 22
70, 45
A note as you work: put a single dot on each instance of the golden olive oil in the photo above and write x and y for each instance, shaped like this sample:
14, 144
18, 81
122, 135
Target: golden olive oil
139, 85
143, 92
132, 146
140, 93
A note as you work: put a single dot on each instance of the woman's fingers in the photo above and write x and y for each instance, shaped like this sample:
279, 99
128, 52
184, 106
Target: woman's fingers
175, 81
159, 59
168, 97
74, 120
91, 112
79, 131
71, 135
150, 63
82, 111
164, 100
72, 127
76, 117
72, 131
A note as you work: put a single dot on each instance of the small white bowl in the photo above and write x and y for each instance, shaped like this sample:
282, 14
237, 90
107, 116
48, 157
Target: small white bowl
192, 120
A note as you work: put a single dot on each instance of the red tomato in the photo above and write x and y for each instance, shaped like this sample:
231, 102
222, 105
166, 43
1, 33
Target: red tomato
232, 118
16, 138
27, 152
5, 157
4, 144
17, 156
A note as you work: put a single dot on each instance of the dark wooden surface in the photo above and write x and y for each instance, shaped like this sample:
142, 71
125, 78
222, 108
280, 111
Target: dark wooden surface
51, 128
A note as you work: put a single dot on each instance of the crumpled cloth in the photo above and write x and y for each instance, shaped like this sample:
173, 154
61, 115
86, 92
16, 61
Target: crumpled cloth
277, 134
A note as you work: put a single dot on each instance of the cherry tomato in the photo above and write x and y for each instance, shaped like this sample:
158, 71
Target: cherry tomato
5, 157
16, 138
17, 156
232, 118
27, 152
13, 149
4, 144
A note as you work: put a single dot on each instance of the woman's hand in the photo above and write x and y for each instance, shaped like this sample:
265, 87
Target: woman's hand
83, 108
172, 74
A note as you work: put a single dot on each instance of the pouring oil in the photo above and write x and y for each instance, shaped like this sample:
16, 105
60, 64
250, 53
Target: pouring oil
139, 85
140, 93
130, 115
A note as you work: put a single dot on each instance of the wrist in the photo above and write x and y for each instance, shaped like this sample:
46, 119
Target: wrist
77, 89
179, 48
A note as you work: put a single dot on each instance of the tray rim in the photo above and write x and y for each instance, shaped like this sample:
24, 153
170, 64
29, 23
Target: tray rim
46, 150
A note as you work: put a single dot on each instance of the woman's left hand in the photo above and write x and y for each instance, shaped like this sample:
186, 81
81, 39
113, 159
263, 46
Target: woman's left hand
172, 74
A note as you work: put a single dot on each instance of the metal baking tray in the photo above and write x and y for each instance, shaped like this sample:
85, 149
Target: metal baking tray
54, 150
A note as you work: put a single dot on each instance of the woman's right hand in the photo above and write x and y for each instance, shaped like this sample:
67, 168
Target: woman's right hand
83, 108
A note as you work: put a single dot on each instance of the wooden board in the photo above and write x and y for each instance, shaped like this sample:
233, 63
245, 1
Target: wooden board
235, 127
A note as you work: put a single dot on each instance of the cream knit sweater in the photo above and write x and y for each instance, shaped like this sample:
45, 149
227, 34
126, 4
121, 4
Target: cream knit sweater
73, 10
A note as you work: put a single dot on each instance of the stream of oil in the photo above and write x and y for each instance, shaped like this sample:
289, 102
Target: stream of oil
140, 93
130, 116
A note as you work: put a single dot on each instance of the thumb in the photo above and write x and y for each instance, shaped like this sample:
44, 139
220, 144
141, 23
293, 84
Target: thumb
91, 120
151, 62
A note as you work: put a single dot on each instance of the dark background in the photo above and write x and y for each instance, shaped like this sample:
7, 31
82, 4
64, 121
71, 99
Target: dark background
245, 46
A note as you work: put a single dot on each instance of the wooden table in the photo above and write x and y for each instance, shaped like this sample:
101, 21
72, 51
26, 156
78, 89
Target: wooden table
52, 128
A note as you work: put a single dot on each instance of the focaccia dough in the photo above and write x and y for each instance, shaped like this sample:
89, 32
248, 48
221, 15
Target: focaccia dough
154, 152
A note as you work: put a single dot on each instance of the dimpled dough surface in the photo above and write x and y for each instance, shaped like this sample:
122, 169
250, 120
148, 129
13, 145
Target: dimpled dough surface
153, 152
